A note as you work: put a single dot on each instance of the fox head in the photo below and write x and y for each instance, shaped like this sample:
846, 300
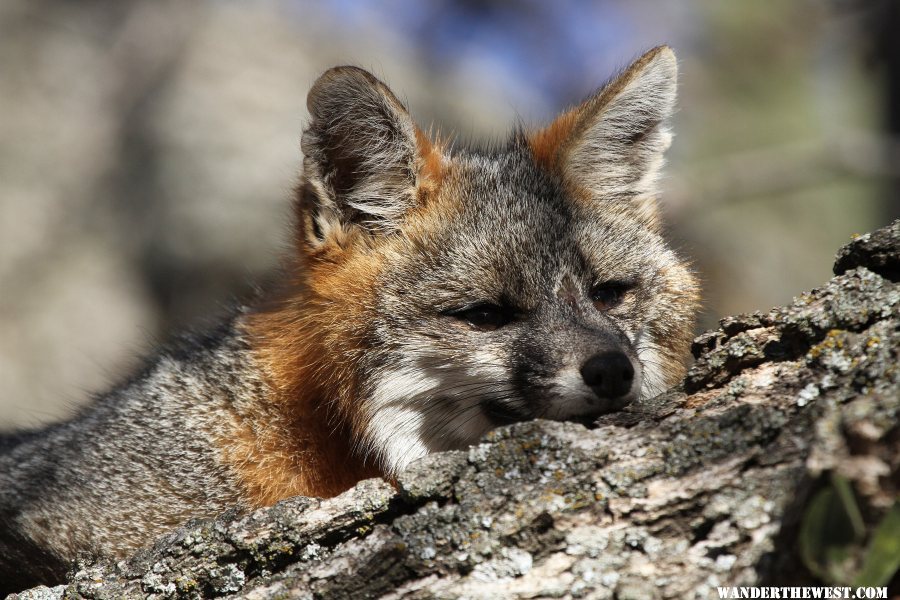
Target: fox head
437, 294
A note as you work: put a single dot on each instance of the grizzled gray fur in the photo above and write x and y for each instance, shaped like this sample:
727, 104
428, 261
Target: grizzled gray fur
135, 463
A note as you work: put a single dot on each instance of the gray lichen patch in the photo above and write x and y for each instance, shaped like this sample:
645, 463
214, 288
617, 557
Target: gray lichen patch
877, 251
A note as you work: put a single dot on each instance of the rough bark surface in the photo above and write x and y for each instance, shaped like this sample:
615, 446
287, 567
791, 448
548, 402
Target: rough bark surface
694, 489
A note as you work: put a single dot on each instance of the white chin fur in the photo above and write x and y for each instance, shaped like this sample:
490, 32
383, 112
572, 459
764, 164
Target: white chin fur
653, 381
406, 420
394, 434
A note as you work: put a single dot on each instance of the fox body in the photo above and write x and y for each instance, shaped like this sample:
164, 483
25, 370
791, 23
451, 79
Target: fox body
431, 296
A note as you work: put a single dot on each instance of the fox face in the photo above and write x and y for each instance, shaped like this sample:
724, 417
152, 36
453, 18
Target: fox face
440, 293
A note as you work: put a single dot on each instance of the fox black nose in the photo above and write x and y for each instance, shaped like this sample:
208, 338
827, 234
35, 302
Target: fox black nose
609, 374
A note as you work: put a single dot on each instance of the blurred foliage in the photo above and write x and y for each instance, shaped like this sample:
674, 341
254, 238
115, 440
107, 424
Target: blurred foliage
882, 561
833, 535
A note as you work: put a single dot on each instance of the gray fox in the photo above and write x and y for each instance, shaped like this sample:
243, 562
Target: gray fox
431, 295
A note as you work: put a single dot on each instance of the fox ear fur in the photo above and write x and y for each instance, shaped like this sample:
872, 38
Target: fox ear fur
612, 145
361, 155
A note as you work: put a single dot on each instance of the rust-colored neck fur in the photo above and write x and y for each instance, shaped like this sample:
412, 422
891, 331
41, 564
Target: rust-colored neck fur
300, 440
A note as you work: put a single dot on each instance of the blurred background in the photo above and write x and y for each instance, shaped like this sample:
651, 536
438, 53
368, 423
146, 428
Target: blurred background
148, 148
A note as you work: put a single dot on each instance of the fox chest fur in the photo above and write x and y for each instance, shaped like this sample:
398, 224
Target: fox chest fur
432, 294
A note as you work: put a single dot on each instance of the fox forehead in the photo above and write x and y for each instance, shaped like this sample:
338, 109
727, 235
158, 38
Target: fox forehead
501, 227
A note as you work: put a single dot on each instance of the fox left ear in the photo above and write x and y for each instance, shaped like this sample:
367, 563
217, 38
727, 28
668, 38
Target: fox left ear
364, 158
612, 145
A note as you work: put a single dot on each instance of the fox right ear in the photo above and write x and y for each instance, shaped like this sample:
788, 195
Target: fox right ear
362, 154
612, 145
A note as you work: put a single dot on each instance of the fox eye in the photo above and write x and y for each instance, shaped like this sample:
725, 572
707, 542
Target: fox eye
609, 295
486, 317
